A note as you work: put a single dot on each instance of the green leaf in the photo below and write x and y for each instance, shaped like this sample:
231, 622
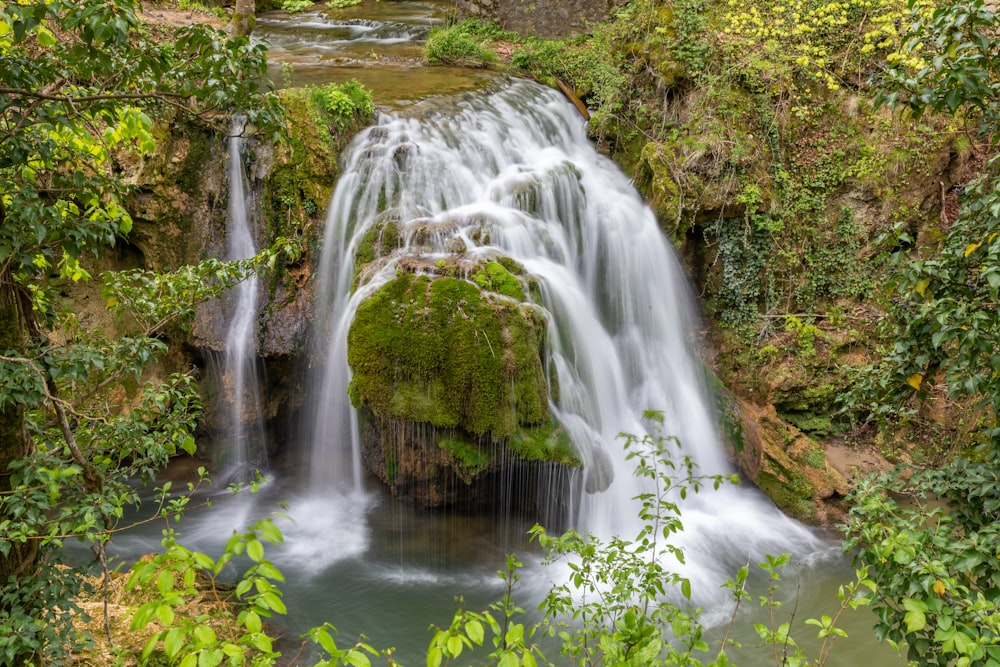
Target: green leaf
915, 621
173, 642
150, 646
205, 635
252, 622
255, 550
474, 629
273, 602
455, 646
165, 582
357, 659
210, 658
166, 614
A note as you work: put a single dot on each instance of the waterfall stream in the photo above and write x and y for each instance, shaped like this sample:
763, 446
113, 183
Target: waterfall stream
244, 452
513, 174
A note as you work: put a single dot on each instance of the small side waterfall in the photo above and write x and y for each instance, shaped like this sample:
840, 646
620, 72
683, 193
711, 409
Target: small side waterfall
245, 451
514, 174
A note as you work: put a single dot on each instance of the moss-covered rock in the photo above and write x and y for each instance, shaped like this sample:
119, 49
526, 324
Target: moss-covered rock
448, 374
441, 351
787, 465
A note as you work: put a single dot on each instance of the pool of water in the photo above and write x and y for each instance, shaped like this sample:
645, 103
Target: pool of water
376, 568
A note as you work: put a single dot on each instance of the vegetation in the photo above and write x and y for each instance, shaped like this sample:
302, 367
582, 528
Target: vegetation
82, 85
459, 45
937, 567
772, 129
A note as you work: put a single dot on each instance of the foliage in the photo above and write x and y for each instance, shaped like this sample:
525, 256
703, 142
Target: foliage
343, 104
201, 621
296, 5
512, 645
218, 12
78, 480
948, 62
617, 601
936, 567
82, 85
341, 4
215, 634
460, 44
802, 36
944, 320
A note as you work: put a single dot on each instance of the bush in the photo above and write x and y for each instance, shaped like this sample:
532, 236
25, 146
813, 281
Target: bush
456, 46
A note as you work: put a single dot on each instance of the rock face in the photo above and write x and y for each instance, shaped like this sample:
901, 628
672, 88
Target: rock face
541, 18
449, 377
179, 207
787, 465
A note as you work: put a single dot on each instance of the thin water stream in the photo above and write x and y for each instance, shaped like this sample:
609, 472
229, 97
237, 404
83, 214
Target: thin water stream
241, 445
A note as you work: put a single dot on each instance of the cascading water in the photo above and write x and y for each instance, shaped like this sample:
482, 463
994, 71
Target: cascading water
244, 452
513, 174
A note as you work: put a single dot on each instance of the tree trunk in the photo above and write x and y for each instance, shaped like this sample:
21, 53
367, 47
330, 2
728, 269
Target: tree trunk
14, 441
244, 18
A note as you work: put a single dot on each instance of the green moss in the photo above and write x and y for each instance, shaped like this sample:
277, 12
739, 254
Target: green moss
814, 457
467, 458
805, 399
808, 422
793, 495
380, 240
548, 442
728, 411
191, 173
305, 166
493, 276
440, 351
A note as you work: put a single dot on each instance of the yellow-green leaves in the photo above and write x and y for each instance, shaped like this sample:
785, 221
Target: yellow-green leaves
133, 128
810, 32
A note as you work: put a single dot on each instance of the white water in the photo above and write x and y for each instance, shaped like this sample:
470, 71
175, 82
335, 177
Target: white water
516, 171
244, 450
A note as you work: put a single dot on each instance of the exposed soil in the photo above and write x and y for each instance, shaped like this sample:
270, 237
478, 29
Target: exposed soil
157, 14
853, 462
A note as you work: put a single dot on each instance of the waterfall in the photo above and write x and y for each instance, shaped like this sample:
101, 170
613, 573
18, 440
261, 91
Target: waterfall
513, 173
244, 452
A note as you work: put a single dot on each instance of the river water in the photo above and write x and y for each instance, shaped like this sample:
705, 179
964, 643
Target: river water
511, 173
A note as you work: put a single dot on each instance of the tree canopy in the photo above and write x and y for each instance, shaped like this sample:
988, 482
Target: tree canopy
82, 84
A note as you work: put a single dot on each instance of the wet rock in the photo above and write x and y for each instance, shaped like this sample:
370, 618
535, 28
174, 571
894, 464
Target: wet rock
787, 465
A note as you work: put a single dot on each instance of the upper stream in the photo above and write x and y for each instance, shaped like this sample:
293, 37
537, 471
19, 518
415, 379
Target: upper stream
378, 43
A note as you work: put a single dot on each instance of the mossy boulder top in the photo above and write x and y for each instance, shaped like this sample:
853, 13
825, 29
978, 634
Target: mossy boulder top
441, 350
